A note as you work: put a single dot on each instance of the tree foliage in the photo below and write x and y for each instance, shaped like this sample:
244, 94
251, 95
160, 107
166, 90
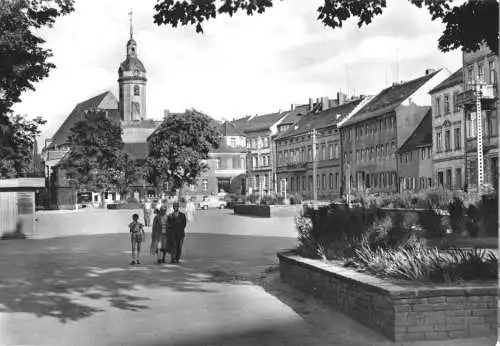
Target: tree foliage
23, 59
96, 160
17, 143
466, 25
179, 148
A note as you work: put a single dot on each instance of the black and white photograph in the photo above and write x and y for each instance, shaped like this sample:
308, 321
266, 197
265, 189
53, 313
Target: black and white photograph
249, 172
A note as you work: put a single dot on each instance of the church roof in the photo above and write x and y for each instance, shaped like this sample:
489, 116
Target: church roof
105, 101
131, 64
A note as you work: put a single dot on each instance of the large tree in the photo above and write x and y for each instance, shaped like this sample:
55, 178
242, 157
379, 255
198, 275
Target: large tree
179, 149
466, 25
96, 160
17, 143
23, 58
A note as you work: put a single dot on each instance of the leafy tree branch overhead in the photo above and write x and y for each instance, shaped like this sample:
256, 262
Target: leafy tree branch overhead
23, 59
466, 25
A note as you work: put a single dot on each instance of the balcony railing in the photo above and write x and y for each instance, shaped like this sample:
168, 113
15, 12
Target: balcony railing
488, 141
293, 166
468, 97
261, 168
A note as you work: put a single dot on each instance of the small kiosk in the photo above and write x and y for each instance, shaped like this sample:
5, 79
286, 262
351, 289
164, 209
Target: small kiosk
17, 206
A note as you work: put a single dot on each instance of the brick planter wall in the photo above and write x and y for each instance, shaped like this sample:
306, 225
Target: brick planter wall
402, 313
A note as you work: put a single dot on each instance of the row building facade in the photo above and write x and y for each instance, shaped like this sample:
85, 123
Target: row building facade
372, 137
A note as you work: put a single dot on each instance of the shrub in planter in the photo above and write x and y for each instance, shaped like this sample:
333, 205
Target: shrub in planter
489, 214
457, 210
473, 221
431, 222
308, 246
268, 199
338, 224
389, 232
416, 262
252, 198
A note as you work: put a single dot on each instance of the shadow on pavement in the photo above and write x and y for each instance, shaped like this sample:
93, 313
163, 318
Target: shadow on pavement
61, 277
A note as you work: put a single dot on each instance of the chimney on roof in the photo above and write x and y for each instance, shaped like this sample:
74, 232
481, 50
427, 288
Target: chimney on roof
166, 113
324, 103
292, 107
341, 98
429, 71
311, 104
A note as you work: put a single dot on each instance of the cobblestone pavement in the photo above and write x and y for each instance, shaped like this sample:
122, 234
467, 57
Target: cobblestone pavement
80, 290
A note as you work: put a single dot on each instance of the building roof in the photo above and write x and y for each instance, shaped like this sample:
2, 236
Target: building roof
105, 101
229, 129
131, 64
295, 114
390, 98
258, 122
454, 79
422, 136
320, 120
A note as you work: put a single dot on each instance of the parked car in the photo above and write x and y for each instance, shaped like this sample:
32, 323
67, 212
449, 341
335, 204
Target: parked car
212, 202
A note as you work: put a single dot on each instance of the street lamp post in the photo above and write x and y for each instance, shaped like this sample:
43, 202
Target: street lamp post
479, 147
314, 164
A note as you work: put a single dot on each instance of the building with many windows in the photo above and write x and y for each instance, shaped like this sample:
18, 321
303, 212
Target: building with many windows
372, 136
258, 130
481, 65
448, 132
415, 170
311, 148
226, 164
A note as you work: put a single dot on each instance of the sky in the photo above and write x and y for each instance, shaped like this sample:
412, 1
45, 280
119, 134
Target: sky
240, 65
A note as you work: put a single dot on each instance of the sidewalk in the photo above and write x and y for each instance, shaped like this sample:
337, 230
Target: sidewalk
80, 290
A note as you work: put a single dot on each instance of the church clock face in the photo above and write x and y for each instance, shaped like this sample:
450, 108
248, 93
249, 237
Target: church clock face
136, 72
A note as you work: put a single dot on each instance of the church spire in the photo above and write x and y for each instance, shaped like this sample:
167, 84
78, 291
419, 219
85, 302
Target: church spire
131, 26
131, 44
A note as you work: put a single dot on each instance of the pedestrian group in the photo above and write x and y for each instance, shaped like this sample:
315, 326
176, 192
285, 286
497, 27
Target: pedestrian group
168, 231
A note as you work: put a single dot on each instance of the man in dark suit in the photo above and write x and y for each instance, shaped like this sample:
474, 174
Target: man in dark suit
176, 224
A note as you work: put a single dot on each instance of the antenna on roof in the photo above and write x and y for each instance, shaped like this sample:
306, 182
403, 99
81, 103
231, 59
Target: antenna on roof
347, 79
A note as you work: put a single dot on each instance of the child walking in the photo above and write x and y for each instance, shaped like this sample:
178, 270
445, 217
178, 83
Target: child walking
137, 236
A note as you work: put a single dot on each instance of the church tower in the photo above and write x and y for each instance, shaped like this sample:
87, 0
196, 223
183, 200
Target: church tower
132, 84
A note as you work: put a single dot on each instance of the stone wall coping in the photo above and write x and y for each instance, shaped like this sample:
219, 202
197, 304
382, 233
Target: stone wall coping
385, 287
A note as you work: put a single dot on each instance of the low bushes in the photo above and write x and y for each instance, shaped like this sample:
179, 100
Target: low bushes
420, 263
387, 245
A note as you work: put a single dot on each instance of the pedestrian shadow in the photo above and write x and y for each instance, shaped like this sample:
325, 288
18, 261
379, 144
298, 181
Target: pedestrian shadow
75, 277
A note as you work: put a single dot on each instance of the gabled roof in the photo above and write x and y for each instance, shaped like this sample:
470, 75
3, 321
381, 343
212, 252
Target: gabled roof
105, 101
422, 136
389, 99
454, 79
320, 120
295, 114
259, 122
